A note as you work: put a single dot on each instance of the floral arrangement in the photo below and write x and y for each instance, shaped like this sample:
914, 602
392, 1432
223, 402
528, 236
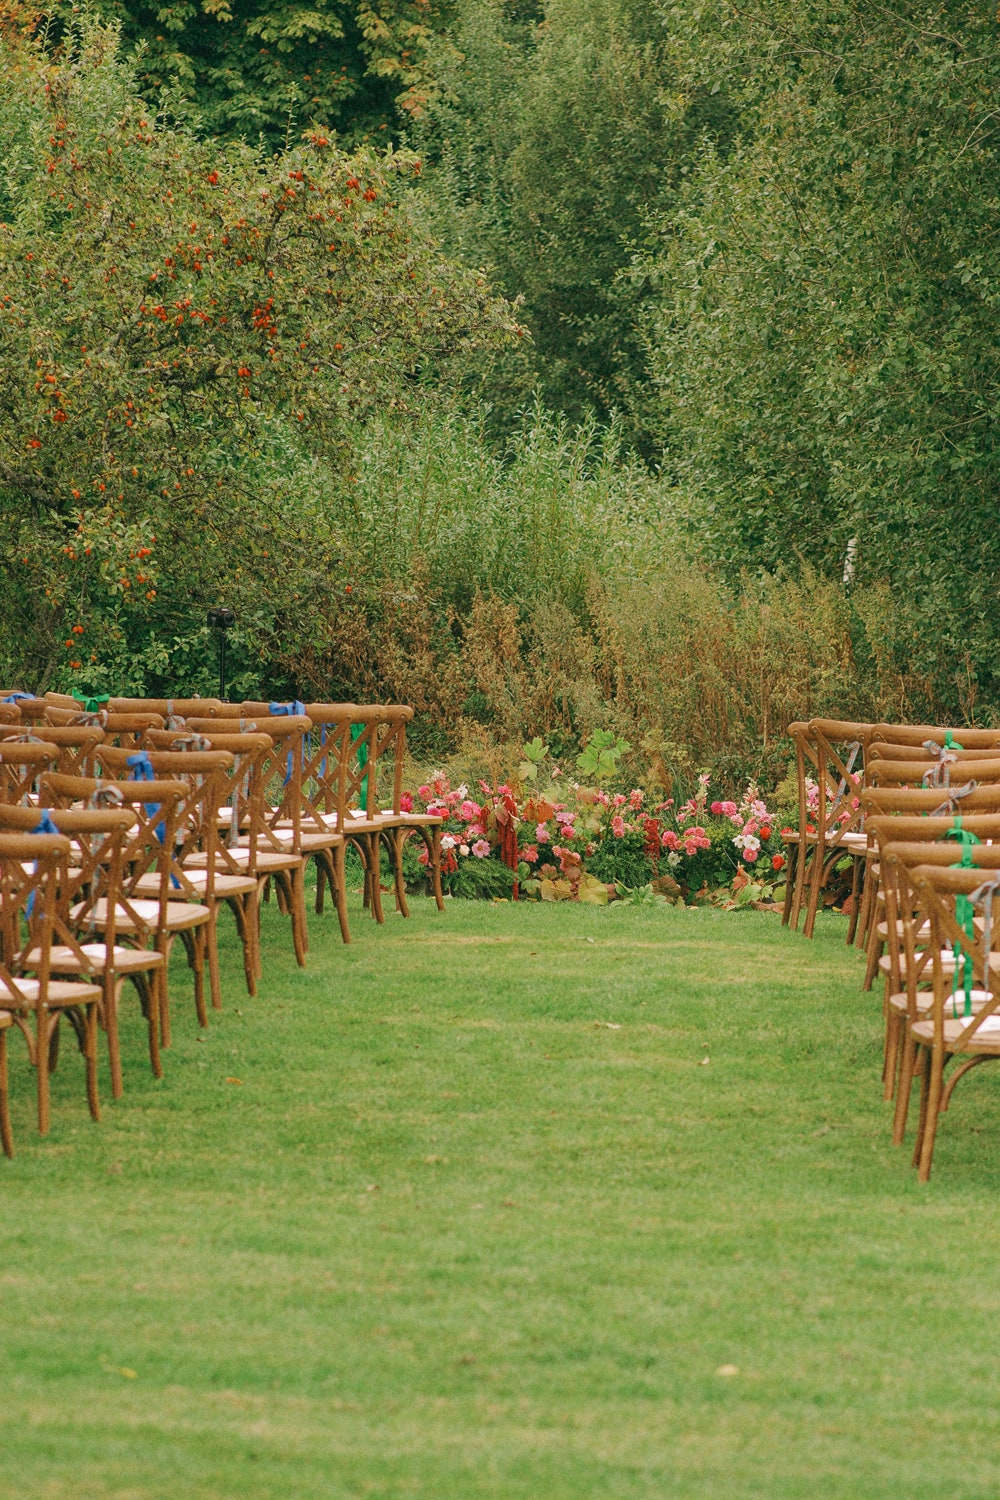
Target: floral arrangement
546, 835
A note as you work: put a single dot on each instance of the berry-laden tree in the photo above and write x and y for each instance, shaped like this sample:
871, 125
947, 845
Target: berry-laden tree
190, 335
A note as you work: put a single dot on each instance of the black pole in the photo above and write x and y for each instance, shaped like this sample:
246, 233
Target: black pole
221, 620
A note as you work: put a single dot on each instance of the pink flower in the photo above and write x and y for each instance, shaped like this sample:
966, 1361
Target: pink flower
619, 799
406, 802
453, 799
728, 809
481, 849
716, 809
568, 832
618, 825
422, 857
530, 853
602, 798
424, 793
475, 831
542, 833
469, 811
669, 839
636, 799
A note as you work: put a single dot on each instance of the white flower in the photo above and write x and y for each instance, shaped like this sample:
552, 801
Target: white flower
674, 857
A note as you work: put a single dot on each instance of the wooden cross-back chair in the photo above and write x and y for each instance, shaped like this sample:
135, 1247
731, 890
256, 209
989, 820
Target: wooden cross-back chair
831, 752
195, 830
33, 868
21, 764
237, 876
913, 801
76, 744
396, 824
200, 869
929, 751
914, 840
272, 845
98, 836
143, 918
963, 1027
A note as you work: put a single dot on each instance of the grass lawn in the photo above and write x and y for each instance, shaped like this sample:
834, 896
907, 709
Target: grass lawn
481, 1221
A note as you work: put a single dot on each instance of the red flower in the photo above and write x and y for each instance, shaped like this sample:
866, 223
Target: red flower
778, 862
765, 833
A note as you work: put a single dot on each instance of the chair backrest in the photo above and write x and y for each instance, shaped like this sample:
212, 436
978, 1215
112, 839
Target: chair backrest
32, 868
124, 729
918, 734
196, 813
942, 774
76, 745
886, 750
878, 801
953, 899
149, 844
279, 768
21, 764
168, 709
830, 755
243, 807
94, 871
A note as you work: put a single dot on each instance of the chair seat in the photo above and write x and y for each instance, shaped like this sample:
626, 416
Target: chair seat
308, 841
65, 960
985, 1039
177, 916
224, 884
947, 962
62, 994
417, 820
954, 1003
268, 860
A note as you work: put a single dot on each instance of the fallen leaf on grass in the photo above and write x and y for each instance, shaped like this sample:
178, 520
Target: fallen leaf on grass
728, 1370
610, 1025
234, 1080
704, 1062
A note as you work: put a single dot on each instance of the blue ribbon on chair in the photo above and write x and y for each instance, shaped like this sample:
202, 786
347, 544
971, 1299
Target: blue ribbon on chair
19, 698
44, 825
142, 770
287, 710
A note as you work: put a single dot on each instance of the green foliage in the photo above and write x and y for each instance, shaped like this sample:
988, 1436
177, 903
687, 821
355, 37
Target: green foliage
601, 754
268, 68
550, 146
825, 345
190, 334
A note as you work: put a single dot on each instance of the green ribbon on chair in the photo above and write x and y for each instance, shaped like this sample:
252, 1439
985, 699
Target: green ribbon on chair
964, 911
950, 742
357, 730
92, 705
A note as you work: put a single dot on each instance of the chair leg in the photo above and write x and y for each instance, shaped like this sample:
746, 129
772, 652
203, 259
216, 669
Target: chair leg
90, 1058
790, 878
320, 883
112, 990
801, 867
374, 843
396, 840
155, 982
297, 905
339, 855
933, 1110
853, 924
6, 1133
815, 887
924, 1068
890, 1059
212, 944
42, 1039
908, 1062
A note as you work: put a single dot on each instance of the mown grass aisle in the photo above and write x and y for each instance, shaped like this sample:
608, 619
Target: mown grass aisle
480, 1220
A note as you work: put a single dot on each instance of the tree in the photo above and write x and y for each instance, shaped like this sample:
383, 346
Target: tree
190, 336
824, 342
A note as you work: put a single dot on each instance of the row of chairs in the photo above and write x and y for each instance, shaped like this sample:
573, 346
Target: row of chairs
132, 823
917, 808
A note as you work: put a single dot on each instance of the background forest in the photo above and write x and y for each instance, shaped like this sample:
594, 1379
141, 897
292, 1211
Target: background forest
611, 364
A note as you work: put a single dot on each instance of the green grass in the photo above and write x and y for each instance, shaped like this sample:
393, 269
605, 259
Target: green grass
453, 1237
